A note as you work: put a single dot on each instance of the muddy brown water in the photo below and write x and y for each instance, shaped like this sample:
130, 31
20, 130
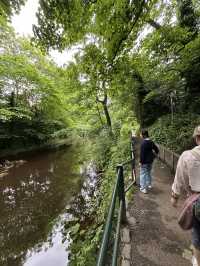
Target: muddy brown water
34, 197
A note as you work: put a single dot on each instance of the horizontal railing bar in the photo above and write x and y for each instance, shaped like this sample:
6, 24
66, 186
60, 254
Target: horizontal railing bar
127, 162
108, 225
129, 186
117, 236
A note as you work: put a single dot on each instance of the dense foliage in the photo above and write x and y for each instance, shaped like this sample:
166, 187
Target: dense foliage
147, 51
138, 64
178, 132
33, 105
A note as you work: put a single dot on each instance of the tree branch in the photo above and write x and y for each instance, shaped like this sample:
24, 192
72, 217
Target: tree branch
126, 35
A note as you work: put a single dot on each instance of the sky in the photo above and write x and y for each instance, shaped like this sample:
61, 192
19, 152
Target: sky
23, 22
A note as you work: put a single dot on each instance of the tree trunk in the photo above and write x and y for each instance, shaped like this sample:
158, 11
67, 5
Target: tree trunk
106, 113
99, 114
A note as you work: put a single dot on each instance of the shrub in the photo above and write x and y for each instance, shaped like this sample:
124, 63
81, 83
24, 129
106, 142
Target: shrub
176, 135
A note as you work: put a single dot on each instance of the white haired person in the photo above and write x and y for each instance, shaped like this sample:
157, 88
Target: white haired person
187, 181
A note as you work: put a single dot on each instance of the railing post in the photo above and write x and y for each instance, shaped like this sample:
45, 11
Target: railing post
121, 192
133, 173
163, 154
172, 161
108, 227
132, 158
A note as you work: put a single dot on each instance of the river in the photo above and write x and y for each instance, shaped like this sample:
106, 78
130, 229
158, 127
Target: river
34, 198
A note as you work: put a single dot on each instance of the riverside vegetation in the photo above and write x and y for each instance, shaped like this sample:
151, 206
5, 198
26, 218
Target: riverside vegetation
137, 66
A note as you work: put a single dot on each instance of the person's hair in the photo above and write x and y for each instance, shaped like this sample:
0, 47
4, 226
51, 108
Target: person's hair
145, 133
196, 132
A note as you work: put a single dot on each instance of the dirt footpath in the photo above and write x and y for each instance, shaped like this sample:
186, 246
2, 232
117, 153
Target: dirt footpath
156, 239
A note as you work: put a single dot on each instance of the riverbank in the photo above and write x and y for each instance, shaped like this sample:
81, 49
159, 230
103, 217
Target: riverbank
9, 154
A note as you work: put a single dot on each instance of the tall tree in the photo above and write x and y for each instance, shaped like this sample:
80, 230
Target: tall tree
111, 25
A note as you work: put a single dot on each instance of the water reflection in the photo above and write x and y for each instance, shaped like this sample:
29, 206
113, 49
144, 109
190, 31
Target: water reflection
84, 205
57, 254
32, 197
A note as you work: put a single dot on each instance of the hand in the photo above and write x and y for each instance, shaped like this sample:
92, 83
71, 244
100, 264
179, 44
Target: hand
174, 202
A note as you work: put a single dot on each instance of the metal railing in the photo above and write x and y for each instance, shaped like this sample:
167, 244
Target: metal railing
118, 192
169, 157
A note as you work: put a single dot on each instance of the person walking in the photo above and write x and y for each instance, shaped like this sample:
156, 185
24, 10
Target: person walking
133, 149
148, 152
187, 181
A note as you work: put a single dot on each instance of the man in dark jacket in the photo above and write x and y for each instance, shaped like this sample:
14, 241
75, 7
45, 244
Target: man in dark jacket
148, 151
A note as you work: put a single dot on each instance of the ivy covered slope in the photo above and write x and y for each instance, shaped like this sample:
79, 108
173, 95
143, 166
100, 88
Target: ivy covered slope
175, 136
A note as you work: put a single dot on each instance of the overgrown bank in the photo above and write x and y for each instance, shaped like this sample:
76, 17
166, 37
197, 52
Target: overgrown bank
86, 228
33, 149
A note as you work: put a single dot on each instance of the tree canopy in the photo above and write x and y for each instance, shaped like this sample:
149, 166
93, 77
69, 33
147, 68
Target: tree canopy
154, 36
143, 55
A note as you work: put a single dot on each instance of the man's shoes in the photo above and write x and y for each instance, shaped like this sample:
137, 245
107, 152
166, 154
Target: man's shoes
194, 261
143, 190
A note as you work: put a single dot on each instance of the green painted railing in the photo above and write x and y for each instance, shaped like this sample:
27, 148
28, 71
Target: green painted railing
118, 192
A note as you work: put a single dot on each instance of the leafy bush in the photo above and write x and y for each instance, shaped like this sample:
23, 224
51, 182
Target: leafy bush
176, 135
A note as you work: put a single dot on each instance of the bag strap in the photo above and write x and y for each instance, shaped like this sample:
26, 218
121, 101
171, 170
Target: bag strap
196, 154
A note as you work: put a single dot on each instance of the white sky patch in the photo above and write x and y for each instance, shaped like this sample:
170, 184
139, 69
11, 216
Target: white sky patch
65, 57
23, 23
